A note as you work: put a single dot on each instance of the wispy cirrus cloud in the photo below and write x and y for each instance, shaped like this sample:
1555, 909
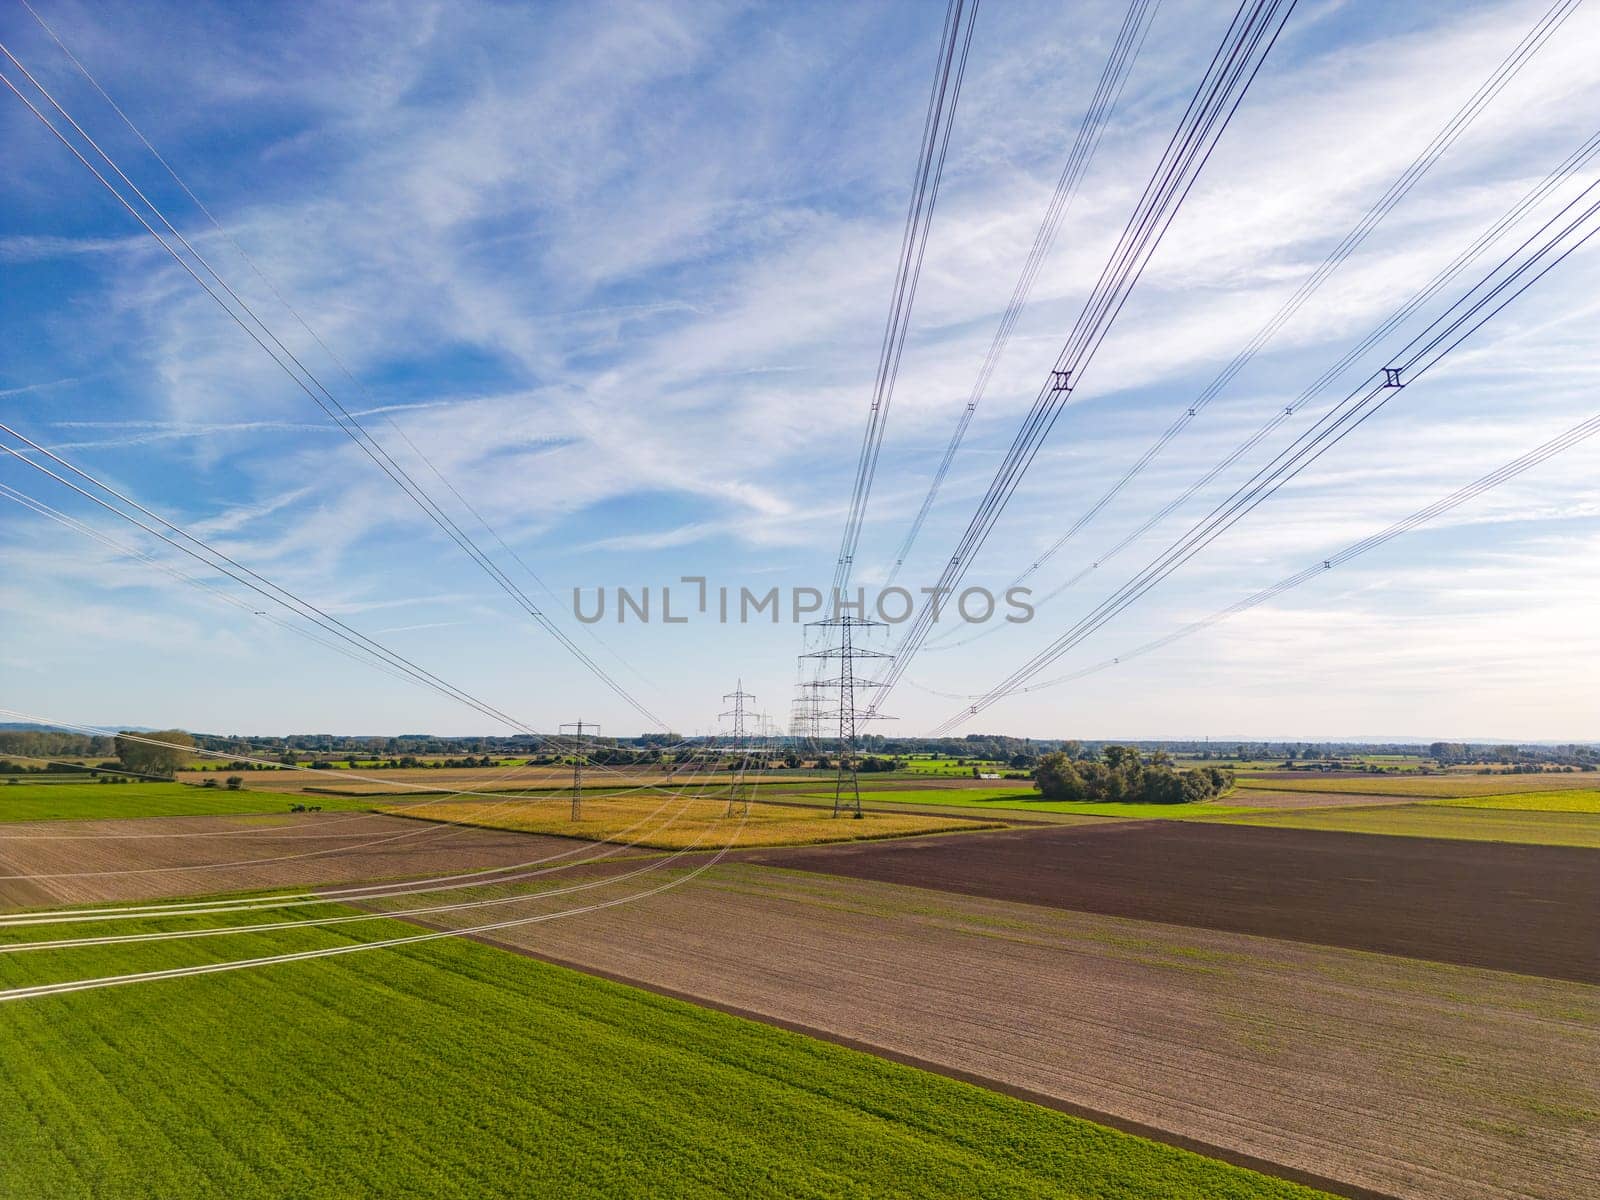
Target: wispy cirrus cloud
621, 276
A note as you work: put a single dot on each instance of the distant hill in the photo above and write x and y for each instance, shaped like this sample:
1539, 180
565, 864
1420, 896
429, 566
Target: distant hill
30, 727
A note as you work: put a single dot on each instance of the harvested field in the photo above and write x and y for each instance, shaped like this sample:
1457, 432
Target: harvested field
1410, 1078
1419, 786
1534, 909
702, 823
1535, 828
174, 856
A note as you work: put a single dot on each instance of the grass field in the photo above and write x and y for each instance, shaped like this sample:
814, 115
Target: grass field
1421, 786
93, 801
1439, 820
699, 823
451, 1069
947, 766
1547, 801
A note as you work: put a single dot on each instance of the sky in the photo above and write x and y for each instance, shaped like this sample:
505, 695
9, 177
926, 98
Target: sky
620, 272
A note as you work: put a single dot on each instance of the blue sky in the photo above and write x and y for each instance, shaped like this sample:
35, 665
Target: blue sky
621, 271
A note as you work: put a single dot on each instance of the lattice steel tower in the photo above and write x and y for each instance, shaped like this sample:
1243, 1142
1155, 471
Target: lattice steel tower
737, 712
740, 738
847, 782
578, 728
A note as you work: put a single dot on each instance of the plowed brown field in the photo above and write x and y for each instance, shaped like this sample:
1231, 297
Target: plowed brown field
1534, 909
1409, 1078
181, 856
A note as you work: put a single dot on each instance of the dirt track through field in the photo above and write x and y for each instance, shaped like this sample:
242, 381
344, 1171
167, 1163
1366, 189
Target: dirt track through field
310, 849
1534, 909
1403, 1077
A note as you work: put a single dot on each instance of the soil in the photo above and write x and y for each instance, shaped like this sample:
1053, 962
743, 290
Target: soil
1533, 909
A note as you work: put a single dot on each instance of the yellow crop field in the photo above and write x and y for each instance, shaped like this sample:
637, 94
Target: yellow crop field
1547, 801
685, 823
1424, 787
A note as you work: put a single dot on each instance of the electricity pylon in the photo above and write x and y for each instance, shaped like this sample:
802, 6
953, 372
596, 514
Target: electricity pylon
737, 712
847, 781
805, 718
577, 763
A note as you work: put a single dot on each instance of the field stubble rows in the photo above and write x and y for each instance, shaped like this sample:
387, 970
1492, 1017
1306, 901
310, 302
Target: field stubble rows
1410, 1078
183, 856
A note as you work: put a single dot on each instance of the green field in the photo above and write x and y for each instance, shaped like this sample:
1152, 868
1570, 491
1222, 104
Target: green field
1440, 820
1548, 801
947, 766
452, 1069
92, 801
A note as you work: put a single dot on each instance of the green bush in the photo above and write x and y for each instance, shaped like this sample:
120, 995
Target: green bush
1121, 775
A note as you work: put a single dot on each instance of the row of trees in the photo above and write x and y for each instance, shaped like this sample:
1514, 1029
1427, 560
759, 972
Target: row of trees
50, 743
1121, 773
163, 753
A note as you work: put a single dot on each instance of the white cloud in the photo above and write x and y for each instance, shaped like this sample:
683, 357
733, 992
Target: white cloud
621, 275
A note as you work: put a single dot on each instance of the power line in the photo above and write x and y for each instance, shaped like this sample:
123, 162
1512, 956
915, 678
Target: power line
1250, 36
942, 99
300, 899
300, 320
298, 956
1557, 238
1561, 442
39, 508
202, 552
305, 379
1124, 52
40, 990
1458, 124
1497, 230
